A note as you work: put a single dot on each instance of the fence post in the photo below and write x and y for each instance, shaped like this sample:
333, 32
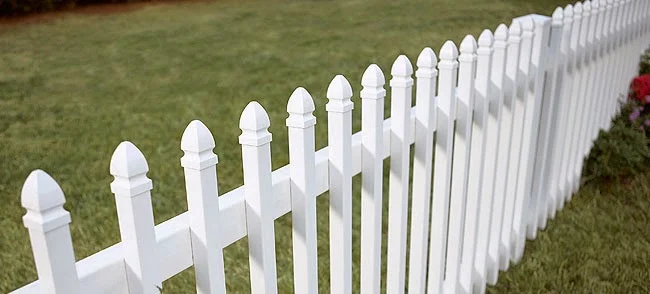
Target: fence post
461, 153
255, 141
132, 191
400, 106
495, 105
372, 120
505, 138
339, 138
49, 233
539, 149
425, 120
448, 69
476, 160
199, 163
302, 168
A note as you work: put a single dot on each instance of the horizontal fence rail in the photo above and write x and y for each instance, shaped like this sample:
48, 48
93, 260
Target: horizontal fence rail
500, 128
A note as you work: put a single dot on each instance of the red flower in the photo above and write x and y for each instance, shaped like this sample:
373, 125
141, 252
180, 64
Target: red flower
641, 87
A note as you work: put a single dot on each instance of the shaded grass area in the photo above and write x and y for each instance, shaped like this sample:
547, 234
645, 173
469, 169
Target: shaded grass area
73, 87
599, 243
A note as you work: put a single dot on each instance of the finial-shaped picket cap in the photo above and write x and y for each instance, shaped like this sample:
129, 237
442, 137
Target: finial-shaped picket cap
41, 192
197, 143
586, 8
339, 89
577, 10
449, 51
609, 3
427, 59
373, 77
128, 161
254, 118
515, 29
468, 45
558, 16
300, 108
501, 33
568, 12
254, 124
485, 39
339, 93
300, 102
402, 67
595, 4
373, 81
197, 138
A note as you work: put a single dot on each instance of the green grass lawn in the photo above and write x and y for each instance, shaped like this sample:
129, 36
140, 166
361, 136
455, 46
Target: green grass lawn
74, 87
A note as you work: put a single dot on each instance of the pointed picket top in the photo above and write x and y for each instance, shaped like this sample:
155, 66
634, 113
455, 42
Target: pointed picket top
339, 89
41, 192
577, 10
197, 138
485, 39
300, 108
586, 8
515, 29
373, 81
558, 16
468, 45
197, 143
568, 13
300, 102
254, 123
501, 33
127, 161
595, 6
254, 118
449, 51
402, 67
373, 77
427, 59
609, 4
339, 93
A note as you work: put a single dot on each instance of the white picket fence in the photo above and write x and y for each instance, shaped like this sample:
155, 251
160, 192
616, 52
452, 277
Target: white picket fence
498, 151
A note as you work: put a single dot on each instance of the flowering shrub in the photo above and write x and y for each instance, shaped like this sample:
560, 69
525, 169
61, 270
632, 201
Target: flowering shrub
639, 116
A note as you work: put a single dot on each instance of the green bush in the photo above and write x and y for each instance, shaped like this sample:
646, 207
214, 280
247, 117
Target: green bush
620, 153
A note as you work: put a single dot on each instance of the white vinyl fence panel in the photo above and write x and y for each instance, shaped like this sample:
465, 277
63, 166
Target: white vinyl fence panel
499, 132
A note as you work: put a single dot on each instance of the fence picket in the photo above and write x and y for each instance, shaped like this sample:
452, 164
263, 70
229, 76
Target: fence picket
460, 168
448, 75
372, 119
538, 78
132, 191
476, 159
302, 163
49, 233
255, 141
539, 147
494, 106
199, 163
561, 129
505, 136
339, 137
425, 120
398, 190
521, 106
